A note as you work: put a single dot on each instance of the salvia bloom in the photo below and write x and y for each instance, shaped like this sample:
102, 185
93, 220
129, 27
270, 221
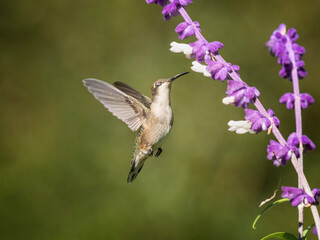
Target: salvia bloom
219, 70
288, 99
279, 47
185, 29
306, 100
308, 145
259, 122
280, 154
201, 50
172, 9
298, 196
240, 94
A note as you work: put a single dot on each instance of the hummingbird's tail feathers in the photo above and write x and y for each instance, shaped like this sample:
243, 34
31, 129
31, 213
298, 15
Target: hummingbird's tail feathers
134, 171
121, 105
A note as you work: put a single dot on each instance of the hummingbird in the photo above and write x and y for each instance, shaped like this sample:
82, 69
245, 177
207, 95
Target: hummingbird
152, 118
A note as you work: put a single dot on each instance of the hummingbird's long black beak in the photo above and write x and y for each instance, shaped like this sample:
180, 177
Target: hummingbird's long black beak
176, 76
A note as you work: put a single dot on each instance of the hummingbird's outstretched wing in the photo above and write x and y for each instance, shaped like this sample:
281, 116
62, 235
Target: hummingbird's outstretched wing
133, 93
123, 106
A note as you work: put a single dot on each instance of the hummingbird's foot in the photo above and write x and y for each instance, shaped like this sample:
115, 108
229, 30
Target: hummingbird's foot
150, 152
158, 152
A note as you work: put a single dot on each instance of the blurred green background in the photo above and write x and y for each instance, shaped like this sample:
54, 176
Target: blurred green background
64, 159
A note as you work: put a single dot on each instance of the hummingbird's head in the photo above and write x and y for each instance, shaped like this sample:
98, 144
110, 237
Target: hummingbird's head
162, 87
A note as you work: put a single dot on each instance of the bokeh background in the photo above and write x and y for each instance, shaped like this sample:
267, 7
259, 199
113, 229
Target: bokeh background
64, 159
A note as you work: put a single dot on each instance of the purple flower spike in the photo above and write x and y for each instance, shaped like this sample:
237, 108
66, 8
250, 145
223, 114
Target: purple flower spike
293, 140
306, 100
314, 231
185, 29
160, 2
240, 94
278, 47
277, 41
258, 121
297, 196
278, 153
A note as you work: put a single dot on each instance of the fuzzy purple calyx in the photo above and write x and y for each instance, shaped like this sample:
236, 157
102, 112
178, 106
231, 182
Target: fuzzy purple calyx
308, 145
289, 99
219, 70
243, 94
259, 122
185, 29
297, 196
172, 9
201, 50
280, 154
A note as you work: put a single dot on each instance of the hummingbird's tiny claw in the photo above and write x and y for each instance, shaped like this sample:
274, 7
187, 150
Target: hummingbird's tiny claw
158, 152
151, 153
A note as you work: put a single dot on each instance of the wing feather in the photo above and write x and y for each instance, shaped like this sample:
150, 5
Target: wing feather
125, 107
133, 93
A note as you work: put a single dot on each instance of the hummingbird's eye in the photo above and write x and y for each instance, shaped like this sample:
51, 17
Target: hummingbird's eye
158, 84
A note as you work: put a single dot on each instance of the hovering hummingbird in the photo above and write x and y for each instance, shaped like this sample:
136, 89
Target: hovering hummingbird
153, 118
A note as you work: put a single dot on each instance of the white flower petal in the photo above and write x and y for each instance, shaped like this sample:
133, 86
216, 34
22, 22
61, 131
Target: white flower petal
200, 68
228, 100
181, 47
240, 127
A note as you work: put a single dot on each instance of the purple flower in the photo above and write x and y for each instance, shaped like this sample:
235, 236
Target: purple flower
278, 153
306, 100
172, 9
258, 121
214, 47
285, 71
293, 140
314, 231
240, 94
201, 50
219, 70
185, 29
288, 99
160, 2
297, 196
